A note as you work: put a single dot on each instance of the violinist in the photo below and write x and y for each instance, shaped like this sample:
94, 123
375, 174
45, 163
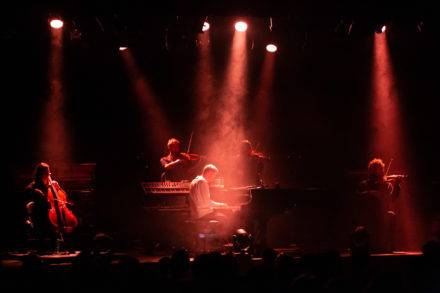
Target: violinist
249, 166
376, 211
176, 165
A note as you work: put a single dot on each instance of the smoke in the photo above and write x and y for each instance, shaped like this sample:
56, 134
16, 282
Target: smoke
55, 142
228, 127
388, 138
153, 119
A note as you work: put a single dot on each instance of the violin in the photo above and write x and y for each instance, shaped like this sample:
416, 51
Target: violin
193, 157
395, 177
260, 155
61, 217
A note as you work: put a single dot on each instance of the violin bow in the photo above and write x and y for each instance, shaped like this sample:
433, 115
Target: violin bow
190, 141
389, 165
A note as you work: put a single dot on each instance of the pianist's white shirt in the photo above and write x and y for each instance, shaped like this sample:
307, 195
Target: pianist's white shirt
200, 199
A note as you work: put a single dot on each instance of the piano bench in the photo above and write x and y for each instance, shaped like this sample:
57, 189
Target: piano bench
204, 234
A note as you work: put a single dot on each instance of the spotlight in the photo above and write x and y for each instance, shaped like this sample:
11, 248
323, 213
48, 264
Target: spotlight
241, 26
271, 48
242, 241
122, 48
380, 29
206, 26
56, 23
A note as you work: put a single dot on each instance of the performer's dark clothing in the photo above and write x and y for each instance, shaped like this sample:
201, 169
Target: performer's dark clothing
40, 226
179, 172
376, 212
256, 222
248, 171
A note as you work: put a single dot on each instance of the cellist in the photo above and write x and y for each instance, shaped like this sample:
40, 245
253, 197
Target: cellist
37, 204
48, 216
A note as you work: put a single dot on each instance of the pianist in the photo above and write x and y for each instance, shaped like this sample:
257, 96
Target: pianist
201, 204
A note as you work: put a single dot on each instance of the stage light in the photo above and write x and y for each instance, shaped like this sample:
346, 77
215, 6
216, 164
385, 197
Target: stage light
206, 26
271, 48
242, 241
380, 28
122, 48
241, 26
56, 23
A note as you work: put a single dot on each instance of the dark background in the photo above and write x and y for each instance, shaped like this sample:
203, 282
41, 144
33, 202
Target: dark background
321, 93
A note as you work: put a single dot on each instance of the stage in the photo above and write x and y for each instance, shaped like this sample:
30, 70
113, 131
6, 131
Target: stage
134, 131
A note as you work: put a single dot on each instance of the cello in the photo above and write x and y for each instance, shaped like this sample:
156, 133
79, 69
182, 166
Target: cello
63, 220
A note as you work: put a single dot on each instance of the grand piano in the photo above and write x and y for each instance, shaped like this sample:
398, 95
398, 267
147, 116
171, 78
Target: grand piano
280, 215
174, 196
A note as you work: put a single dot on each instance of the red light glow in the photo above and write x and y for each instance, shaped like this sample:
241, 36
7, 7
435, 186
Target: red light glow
388, 139
152, 117
230, 112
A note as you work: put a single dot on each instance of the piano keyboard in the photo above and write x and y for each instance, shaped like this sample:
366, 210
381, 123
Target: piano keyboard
165, 187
